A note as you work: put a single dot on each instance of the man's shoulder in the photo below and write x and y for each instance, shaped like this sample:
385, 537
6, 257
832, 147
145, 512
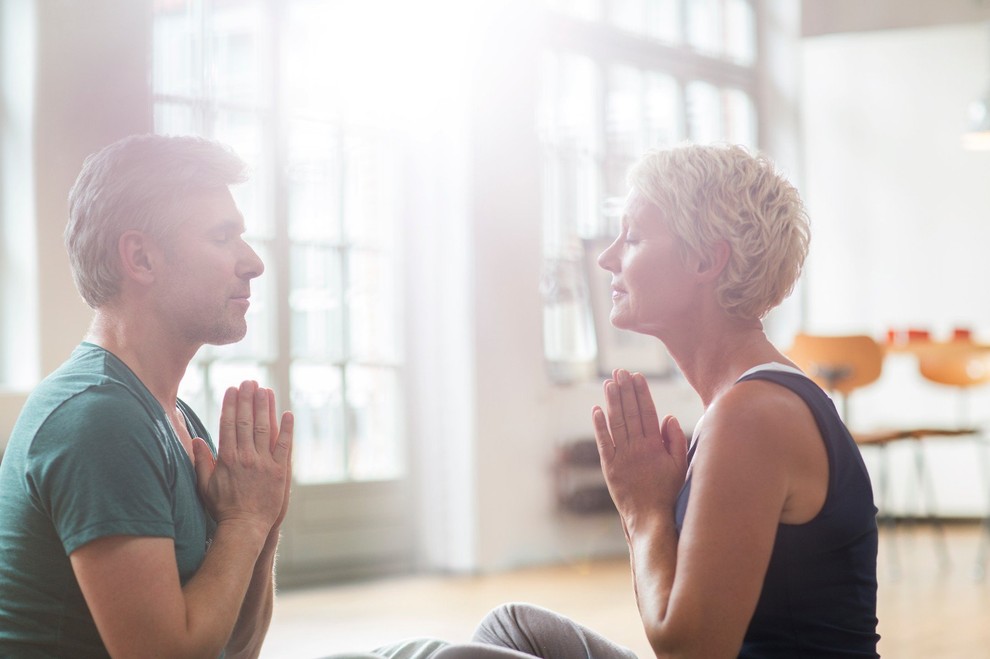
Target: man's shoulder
86, 395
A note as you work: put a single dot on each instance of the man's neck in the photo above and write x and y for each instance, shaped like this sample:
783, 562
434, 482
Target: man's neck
157, 359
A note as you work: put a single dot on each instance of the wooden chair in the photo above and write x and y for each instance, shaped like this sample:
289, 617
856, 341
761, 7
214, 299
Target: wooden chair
841, 365
962, 365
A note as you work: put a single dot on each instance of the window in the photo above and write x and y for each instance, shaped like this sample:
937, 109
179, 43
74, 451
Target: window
20, 364
321, 209
619, 77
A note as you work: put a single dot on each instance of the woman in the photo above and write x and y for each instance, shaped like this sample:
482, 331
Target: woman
760, 539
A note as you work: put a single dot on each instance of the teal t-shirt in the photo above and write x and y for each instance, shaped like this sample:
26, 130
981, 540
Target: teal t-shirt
91, 455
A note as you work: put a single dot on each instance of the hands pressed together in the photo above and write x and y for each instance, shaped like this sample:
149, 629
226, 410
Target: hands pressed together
249, 481
644, 460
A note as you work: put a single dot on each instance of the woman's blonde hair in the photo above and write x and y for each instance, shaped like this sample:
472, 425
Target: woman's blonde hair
718, 193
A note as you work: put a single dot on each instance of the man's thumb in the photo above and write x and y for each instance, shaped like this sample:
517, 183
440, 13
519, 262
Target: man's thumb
203, 461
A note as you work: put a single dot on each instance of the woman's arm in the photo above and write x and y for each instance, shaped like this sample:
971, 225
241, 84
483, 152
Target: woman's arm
697, 592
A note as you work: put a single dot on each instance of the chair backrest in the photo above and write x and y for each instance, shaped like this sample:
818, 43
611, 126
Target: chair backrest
838, 363
958, 365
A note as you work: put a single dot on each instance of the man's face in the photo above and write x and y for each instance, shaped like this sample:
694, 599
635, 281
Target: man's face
206, 281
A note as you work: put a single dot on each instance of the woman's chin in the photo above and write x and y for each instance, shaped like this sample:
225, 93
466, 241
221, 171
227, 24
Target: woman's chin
621, 321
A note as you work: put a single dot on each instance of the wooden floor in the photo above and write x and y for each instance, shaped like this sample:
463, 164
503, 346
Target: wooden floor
926, 610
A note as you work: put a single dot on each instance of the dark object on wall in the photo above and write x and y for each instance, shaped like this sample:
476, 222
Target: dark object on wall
579, 483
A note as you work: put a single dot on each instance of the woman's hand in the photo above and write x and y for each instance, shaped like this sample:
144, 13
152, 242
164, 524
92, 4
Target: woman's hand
644, 461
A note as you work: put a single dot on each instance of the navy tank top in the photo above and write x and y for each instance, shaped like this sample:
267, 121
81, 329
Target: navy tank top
819, 594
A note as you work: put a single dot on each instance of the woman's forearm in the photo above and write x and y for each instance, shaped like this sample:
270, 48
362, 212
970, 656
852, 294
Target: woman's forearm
653, 557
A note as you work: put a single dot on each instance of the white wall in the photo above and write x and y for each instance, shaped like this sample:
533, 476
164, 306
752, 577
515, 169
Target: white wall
901, 216
87, 86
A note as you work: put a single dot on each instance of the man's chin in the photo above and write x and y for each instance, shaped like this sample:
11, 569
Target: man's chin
227, 335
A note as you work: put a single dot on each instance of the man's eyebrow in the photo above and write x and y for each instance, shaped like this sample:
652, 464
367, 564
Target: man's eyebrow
233, 223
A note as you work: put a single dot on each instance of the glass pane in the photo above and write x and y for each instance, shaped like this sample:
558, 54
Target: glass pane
319, 445
176, 119
570, 129
568, 330
663, 110
192, 390
373, 330
244, 133
208, 382
590, 10
313, 61
704, 116
314, 181
624, 126
374, 413
570, 126
627, 15
740, 118
740, 31
370, 185
704, 26
177, 58
316, 302
663, 20
236, 41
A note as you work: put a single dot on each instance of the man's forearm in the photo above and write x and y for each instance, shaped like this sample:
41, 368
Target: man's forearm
220, 581
256, 611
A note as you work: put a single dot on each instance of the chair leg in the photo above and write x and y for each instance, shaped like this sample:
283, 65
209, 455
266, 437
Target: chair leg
983, 548
980, 572
927, 507
885, 518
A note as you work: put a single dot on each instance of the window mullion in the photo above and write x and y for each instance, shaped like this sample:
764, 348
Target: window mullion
279, 172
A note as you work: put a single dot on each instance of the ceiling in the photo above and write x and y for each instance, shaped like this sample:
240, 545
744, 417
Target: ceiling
819, 17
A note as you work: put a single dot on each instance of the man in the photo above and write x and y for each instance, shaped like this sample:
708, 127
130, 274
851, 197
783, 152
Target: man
122, 531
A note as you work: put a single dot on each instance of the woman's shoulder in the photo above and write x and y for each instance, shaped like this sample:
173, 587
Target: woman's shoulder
758, 405
758, 420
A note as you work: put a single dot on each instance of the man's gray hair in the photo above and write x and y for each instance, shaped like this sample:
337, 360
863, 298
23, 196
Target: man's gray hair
138, 183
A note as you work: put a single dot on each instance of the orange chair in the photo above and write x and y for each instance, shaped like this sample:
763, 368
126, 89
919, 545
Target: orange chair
843, 364
840, 365
962, 365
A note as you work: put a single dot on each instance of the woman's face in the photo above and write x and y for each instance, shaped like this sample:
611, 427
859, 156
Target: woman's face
651, 282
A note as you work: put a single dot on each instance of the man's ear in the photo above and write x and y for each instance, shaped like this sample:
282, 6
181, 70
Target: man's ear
138, 256
712, 263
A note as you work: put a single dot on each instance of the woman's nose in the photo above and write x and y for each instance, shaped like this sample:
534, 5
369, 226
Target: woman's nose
607, 259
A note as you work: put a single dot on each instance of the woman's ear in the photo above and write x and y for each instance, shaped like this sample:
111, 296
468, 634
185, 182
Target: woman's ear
713, 262
138, 256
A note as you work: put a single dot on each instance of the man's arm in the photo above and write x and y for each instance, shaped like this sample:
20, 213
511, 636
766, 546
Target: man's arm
256, 612
131, 584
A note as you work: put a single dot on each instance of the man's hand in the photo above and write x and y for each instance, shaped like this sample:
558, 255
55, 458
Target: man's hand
249, 481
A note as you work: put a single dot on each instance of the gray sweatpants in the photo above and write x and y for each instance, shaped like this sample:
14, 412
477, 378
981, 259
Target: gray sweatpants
513, 631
